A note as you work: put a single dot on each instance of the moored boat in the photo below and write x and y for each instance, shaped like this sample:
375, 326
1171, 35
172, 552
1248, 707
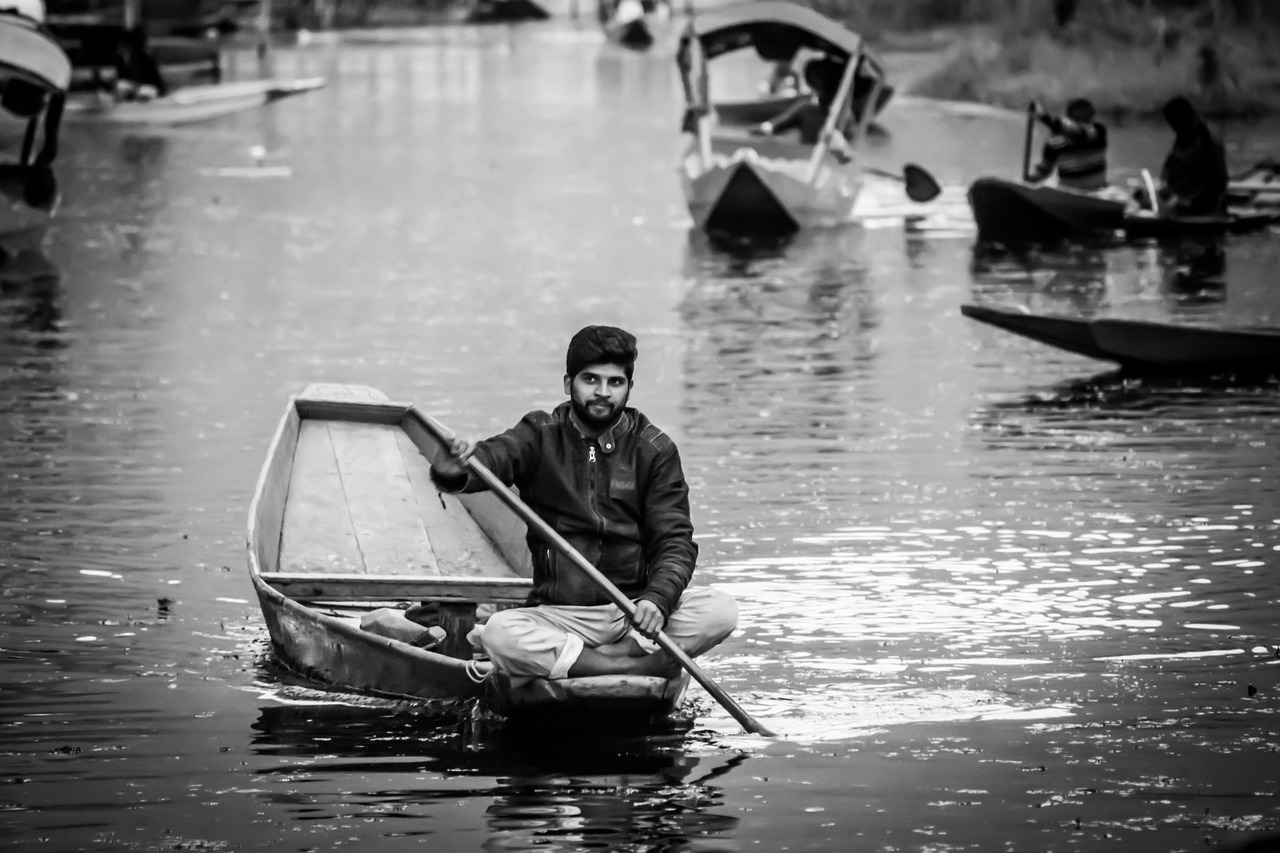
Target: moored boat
188, 104
738, 180
34, 75
346, 528
1144, 345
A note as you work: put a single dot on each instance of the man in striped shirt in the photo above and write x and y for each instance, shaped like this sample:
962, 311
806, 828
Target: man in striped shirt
1077, 149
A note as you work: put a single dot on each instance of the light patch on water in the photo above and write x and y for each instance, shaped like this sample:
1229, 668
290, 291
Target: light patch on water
1214, 653
847, 711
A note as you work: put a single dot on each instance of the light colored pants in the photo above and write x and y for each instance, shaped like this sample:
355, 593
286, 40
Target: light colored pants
545, 641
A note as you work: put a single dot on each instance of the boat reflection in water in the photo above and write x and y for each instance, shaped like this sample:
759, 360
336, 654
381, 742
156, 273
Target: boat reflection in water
28, 298
404, 764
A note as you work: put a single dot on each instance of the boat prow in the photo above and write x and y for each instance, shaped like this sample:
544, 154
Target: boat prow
345, 524
1072, 334
1144, 345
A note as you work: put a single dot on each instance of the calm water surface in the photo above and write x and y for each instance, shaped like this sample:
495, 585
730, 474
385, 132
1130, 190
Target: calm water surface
993, 596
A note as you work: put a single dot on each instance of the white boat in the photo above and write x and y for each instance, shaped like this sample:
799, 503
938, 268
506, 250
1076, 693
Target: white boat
188, 104
34, 75
745, 179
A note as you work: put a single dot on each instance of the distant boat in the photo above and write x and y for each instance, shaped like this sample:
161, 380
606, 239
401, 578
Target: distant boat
740, 180
346, 529
34, 74
632, 23
1144, 344
505, 12
1015, 213
190, 103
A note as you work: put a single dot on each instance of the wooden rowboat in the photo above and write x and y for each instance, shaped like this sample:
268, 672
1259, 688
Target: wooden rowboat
1144, 345
345, 524
189, 104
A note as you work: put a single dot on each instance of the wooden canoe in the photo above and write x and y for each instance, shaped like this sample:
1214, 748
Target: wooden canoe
1018, 214
345, 521
1144, 345
188, 104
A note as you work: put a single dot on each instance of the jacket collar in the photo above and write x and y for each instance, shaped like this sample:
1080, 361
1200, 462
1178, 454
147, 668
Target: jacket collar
608, 440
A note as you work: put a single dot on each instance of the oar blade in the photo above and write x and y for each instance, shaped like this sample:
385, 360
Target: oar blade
921, 186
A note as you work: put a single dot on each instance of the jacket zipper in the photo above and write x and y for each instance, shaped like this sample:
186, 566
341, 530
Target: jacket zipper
591, 487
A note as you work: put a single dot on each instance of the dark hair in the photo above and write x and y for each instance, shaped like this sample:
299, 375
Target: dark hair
1082, 107
21, 98
601, 345
1179, 113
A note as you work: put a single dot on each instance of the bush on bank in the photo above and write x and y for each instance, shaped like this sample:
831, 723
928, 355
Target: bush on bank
1127, 56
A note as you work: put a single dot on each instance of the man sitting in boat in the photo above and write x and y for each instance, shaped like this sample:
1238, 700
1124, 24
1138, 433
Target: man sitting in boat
1077, 148
610, 482
1194, 177
809, 116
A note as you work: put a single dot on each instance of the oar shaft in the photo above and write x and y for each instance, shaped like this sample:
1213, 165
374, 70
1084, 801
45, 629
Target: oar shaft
615, 595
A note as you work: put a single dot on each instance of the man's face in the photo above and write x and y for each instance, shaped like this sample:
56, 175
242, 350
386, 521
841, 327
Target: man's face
598, 393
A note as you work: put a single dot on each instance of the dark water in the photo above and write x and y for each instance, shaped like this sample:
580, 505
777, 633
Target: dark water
993, 596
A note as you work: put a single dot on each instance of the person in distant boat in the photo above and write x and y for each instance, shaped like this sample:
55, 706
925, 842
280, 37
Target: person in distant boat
610, 482
1076, 148
1194, 178
809, 116
138, 76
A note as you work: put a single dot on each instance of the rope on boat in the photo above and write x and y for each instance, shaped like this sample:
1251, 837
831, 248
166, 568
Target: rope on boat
475, 673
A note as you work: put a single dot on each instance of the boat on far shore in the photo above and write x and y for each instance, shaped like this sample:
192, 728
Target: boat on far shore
1144, 345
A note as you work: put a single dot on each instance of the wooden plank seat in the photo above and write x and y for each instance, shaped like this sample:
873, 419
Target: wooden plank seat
328, 586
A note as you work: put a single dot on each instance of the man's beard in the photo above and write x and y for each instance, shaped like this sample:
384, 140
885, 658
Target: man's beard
584, 414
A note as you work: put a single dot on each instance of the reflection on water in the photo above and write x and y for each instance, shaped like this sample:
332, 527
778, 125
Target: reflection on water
994, 596
401, 766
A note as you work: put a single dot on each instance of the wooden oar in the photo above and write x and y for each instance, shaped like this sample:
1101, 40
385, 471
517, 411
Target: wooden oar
1026, 142
548, 533
921, 186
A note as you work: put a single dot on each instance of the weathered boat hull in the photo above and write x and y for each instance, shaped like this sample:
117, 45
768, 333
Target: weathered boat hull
1178, 346
1237, 221
1144, 345
758, 196
190, 104
345, 521
1014, 214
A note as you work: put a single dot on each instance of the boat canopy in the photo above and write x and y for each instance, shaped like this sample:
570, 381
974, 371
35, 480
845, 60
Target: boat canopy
29, 53
775, 28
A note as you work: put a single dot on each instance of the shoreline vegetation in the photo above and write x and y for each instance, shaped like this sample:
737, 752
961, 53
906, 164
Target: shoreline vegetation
1127, 56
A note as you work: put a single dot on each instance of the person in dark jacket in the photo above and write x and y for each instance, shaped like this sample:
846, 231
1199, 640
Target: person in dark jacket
1194, 177
1077, 148
610, 482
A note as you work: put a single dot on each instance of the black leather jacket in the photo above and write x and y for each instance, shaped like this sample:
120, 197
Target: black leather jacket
619, 499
